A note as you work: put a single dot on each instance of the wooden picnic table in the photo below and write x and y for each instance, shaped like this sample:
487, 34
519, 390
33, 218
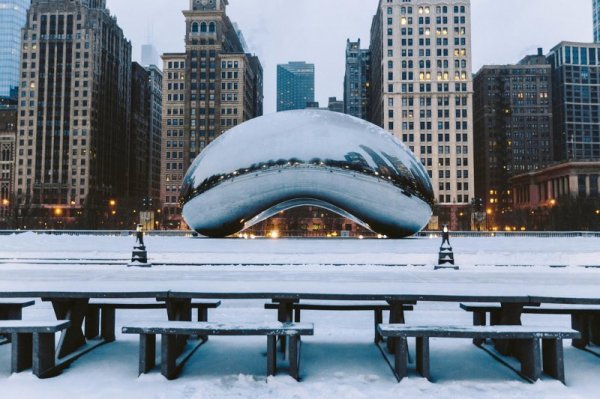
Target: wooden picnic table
72, 305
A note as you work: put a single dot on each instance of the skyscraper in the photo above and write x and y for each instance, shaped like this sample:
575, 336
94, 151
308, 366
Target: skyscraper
140, 144
596, 12
74, 101
356, 80
513, 126
295, 85
576, 100
207, 90
422, 91
155, 125
149, 55
13, 14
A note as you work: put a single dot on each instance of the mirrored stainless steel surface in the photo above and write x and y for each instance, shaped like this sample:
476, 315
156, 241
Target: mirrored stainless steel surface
310, 157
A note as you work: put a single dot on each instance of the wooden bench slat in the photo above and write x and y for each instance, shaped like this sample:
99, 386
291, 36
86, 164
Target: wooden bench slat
194, 328
492, 332
543, 309
340, 307
132, 304
25, 326
24, 303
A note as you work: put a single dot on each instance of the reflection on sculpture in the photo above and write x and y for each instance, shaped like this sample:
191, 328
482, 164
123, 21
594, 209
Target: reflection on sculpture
310, 157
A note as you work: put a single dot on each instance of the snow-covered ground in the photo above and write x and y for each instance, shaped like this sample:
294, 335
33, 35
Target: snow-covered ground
340, 360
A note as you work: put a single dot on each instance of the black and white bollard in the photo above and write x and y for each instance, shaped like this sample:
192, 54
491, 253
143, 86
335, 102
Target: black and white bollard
446, 255
139, 255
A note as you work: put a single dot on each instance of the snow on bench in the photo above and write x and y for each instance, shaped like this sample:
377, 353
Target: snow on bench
529, 347
12, 309
170, 346
584, 318
377, 307
33, 345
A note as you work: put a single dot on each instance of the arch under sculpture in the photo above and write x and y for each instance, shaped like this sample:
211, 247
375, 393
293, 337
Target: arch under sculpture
309, 157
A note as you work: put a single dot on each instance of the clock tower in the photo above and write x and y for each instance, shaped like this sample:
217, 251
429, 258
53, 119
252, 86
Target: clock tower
208, 5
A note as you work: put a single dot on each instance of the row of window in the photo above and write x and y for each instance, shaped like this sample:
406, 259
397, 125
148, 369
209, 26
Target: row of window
204, 27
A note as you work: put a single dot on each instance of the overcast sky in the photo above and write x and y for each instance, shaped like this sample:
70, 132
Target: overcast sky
315, 31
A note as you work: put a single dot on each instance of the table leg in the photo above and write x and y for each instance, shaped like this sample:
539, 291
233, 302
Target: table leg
21, 352
179, 309
479, 319
73, 337
284, 315
294, 357
271, 355
107, 323
595, 329
581, 323
378, 321
10, 312
396, 317
92, 322
510, 315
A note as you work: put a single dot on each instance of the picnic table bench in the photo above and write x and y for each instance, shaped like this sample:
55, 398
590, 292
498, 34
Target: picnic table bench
12, 309
584, 318
377, 307
33, 345
100, 315
528, 338
170, 350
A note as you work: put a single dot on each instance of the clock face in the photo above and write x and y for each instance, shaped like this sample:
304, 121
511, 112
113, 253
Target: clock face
204, 4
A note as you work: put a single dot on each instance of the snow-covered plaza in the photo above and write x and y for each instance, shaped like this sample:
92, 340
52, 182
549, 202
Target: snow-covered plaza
340, 360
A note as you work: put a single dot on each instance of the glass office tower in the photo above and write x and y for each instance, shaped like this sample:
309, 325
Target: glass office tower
295, 85
13, 14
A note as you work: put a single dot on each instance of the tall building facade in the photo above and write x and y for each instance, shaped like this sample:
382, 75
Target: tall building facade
155, 78
513, 126
207, 90
140, 144
576, 100
356, 80
422, 90
74, 100
8, 135
295, 85
596, 13
13, 14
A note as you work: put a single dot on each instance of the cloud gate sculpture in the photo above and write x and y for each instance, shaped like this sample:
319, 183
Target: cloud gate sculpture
310, 157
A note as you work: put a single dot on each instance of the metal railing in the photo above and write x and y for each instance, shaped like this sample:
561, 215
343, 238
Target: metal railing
424, 234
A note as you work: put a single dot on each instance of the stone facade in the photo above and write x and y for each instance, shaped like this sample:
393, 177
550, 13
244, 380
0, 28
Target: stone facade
73, 129
207, 90
422, 91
